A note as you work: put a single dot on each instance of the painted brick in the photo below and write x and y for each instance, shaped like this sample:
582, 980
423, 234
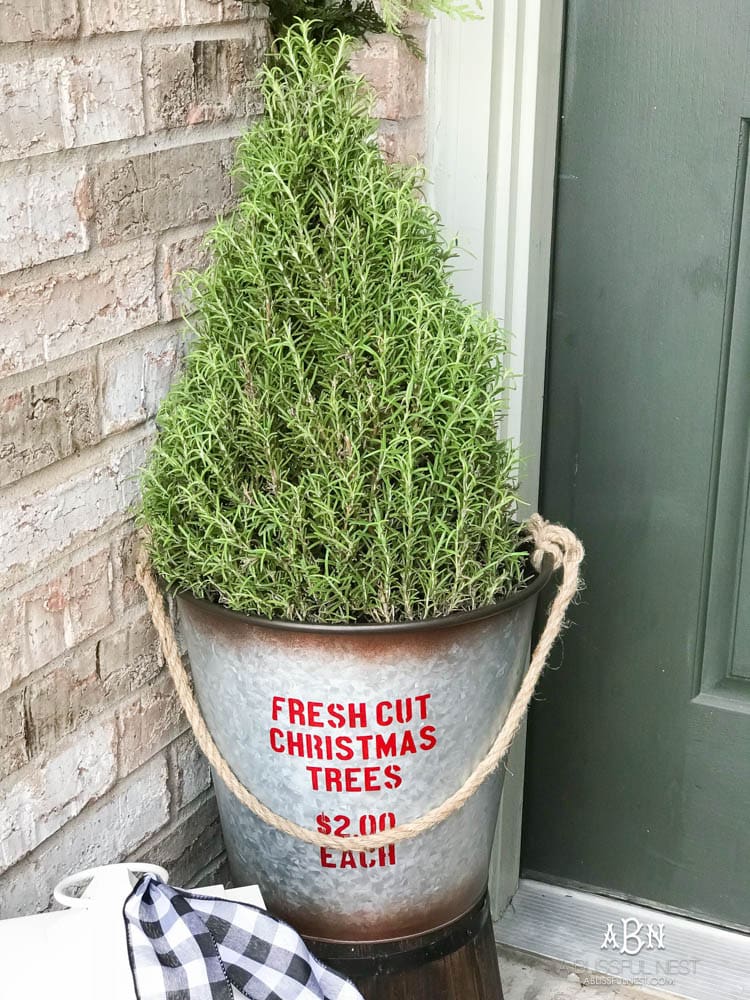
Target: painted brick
156, 191
216, 872
54, 102
35, 806
30, 120
48, 521
63, 699
238, 10
100, 98
43, 215
83, 694
84, 682
129, 592
202, 11
134, 383
149, 723
186, 253
395, 74
34, 20
41, 623
45, 422
128, 659
402, 142
59, 615
50, 619
103, 16
204, 81
12, 650
189, 846
79, 304
13, 751
104, 833
192, 773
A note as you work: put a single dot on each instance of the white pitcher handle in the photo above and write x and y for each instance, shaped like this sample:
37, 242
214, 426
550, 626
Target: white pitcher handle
78, 879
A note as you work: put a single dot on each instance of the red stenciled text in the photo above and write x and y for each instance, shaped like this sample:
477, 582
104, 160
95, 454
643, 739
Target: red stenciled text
354, 715
367, 757
341, 826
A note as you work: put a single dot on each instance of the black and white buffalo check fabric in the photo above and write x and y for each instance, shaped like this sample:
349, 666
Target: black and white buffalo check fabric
184, 946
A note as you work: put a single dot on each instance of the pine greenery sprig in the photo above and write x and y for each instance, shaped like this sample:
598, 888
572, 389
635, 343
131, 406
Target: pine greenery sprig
395, 12
326, 17
330, 454
358, 17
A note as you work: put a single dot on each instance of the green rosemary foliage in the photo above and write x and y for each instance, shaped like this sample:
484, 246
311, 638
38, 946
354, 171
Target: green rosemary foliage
330, 453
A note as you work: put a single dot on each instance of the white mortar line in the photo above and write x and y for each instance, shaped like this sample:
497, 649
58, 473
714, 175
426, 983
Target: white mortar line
70, 466
103, 42
123, 149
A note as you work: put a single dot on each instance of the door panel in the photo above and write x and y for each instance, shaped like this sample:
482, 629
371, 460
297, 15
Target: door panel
740, 663
726, 653
638, 772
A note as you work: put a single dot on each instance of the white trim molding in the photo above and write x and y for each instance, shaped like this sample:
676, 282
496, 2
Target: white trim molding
493, 99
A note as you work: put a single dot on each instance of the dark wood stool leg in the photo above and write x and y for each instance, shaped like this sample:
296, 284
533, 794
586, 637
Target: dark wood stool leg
456, 962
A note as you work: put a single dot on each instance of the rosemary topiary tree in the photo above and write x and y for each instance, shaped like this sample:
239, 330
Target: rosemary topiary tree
330, 453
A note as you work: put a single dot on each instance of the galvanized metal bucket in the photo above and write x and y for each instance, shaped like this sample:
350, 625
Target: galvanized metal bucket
350, 730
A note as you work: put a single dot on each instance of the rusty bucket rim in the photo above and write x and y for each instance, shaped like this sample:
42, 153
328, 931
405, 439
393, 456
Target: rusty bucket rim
519, 596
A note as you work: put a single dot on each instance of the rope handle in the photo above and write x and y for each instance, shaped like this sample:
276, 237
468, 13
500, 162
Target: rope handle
567, 552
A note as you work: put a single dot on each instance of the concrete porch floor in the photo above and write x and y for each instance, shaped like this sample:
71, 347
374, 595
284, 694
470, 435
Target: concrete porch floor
529, 977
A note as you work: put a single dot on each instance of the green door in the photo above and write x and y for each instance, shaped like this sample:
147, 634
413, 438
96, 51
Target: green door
638, 778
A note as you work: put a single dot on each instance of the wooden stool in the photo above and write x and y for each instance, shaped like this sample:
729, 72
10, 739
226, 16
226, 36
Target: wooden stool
455, 962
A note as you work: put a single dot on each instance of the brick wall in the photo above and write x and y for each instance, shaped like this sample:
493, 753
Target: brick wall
117, 120
399, 81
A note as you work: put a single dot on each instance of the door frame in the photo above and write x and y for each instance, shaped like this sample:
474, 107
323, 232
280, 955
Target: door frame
492, 126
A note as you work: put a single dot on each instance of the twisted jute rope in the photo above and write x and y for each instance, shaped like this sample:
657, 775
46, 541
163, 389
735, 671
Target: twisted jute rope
567, 553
